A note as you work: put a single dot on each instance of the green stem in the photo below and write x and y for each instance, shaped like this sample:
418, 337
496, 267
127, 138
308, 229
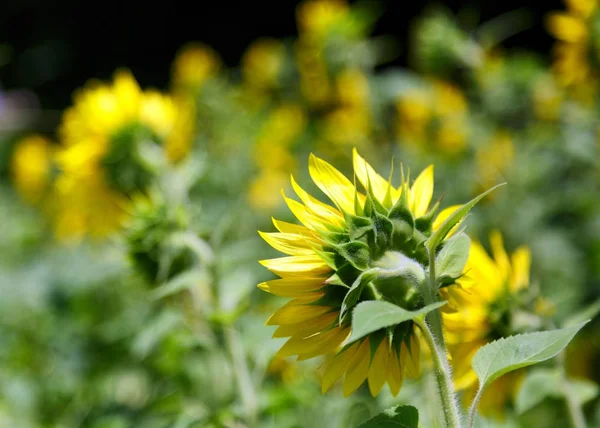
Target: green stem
473, 409
430, 296
574, 409
443, 375
242, 375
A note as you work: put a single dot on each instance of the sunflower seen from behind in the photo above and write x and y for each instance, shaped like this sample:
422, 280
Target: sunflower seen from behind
328, 252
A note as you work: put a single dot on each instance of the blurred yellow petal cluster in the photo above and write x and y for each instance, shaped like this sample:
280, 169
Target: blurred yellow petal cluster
493, 160
31, 166
273, 154
434, 118
194, 64
106, 126
572, 51
471, 318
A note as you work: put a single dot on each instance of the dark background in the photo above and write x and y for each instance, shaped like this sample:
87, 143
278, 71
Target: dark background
55, 46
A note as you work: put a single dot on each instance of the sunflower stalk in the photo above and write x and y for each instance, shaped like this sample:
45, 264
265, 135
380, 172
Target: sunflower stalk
432, 332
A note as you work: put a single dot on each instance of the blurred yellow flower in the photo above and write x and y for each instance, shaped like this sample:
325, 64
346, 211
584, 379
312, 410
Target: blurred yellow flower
572, 29
434, 118
194, 64
31, 166
493, 159
474, 315
317, 17
101, 136
262, 63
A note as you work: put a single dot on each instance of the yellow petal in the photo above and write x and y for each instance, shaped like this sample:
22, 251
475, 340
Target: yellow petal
285, 227
395, 373
292, 313
366, 174
307, 328
337, 367
333, 183
378, 370
413, 363
294, 245
292, 287
318, 208
308, 219
421, 192
462, 354
443, 215
567, 28
314, 345
500, 256
521, 265
357, 369
297, 266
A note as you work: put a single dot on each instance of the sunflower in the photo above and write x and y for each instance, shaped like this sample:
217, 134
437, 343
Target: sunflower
328, 252
572, 51
478, 315
31, 167
102, 136
437, 114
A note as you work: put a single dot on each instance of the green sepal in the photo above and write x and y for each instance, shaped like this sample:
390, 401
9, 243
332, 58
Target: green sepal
356, 252
403, 223
357, 226
353, 295
344, 276
383, 230
334, 238
333, 295
327, 256
425, 222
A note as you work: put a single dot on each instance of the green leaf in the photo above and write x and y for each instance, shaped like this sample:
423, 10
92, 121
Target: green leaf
542, 383
438, 236
377, 314
355, 291
396, 417
589, 312
538, 385
451, 260
511, 353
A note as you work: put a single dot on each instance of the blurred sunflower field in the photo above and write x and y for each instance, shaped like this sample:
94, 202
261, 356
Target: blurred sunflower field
137, 289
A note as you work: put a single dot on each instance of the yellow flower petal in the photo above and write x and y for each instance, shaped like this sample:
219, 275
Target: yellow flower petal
337, 367
333, 183
358, 369
309, 327
366, 174
294, 245
421, 193
312, 346
292, 287
395, 373
378, 373
285, 227
297, 266
521, 265
318, 208
292, 313
500, 256
413, 363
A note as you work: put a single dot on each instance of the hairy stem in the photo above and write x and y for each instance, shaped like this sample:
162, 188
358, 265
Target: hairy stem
430, 296
443, 376
473, 409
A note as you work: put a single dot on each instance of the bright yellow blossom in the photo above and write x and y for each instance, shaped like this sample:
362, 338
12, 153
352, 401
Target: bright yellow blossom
101, 135
475, 312
31, 166
311, 273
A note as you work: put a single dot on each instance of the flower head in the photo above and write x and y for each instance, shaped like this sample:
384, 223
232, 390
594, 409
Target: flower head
103, 136
330, 251
194, 64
